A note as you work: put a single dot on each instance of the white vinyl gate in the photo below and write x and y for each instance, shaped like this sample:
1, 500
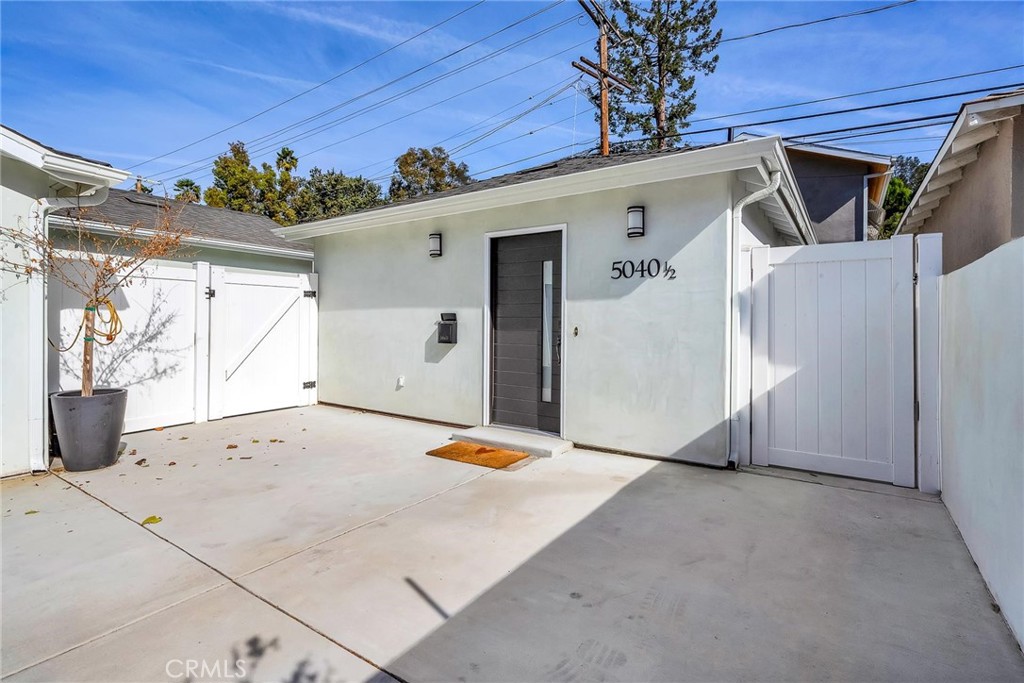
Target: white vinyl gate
261, 325
832, 341
199, 343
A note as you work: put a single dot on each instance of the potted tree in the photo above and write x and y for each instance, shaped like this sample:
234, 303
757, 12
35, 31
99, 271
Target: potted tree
94, 258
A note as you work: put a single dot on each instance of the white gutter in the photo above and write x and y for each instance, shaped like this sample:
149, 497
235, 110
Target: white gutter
210, 242
774, 182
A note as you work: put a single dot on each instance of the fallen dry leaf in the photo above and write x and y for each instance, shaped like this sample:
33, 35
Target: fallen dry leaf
255, 440
232, 445
273, 441
31, 512
182, 438
158, 429
152, 519
171, 464
230, 458
245, 457
133, 452
140, 461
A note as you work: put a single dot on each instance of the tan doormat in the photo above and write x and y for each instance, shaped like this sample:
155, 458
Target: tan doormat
475, 454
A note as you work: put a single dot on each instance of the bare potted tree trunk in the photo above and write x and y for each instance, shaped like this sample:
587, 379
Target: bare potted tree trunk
89, 421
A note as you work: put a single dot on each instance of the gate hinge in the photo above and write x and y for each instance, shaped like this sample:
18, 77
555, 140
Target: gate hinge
915, 278
309, 385
309, 294
210, 292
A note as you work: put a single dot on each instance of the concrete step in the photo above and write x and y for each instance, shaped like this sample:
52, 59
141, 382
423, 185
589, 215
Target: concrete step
538, 445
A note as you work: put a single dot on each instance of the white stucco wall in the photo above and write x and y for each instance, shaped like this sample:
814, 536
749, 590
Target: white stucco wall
646, 373
22, 184
983, 418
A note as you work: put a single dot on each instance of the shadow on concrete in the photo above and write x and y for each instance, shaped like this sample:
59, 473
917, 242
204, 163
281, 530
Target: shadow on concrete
697, 574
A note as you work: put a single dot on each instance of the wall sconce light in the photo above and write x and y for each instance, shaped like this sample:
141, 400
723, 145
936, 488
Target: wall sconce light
635, 221
434, 242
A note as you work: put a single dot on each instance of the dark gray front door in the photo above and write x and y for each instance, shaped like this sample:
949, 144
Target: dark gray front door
526, 310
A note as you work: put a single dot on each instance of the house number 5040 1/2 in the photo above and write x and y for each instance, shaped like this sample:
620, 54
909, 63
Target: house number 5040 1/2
650, 268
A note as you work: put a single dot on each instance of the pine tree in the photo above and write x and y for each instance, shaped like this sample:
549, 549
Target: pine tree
666, 44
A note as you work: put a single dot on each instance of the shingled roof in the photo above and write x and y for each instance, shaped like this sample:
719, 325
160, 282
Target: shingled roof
561, 167
206, 223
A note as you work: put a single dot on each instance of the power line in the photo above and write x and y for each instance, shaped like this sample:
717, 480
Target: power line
858, 13
883, 132
478, 124
837, 112
857, 94
534, 156
310, 132
418, 111
522, 20
933, 118
315, 87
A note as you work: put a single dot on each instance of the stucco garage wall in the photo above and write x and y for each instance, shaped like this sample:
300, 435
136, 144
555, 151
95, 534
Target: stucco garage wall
22, 184
646, 373
983, 418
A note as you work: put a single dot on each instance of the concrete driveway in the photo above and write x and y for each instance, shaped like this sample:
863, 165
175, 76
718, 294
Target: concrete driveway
327, 547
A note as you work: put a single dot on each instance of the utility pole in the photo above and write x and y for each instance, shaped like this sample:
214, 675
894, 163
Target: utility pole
600, 72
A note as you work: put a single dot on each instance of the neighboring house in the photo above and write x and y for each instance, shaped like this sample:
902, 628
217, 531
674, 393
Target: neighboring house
844, 190
223, 329
973, 194
219, 236
596, 298
34, 180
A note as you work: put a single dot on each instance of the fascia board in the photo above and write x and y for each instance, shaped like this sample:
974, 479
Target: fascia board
792, 198
958, 125
939, 155
61, 167
17, 147
79, 171
698, 162
213, 243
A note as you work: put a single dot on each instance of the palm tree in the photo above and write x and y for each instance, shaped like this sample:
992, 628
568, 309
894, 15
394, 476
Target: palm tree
187, 190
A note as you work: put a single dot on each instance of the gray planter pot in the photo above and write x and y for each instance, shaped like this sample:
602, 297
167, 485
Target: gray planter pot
89, 428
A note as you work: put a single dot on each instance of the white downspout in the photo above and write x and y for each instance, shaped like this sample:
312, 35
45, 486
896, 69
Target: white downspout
775, 181
38, 386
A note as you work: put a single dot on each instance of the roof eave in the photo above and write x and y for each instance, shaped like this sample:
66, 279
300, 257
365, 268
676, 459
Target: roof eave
70, 171
718, 159
193, 240
953, 154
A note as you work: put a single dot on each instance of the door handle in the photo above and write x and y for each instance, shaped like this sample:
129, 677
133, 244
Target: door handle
558, 348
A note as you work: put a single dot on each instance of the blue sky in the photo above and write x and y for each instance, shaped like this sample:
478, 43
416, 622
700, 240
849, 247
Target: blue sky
127, 81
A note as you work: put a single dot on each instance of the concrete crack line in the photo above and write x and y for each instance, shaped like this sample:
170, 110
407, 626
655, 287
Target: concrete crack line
229, 579
116, 629
367, 523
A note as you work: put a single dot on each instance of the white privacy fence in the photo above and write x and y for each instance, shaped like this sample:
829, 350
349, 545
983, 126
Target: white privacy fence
832, 347
199, 342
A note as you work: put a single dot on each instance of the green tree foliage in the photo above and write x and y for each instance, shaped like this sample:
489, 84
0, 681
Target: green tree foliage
326, 194
910, 170
268, 190
907, 175
421, 171
666, 44
187, 190
234, 185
